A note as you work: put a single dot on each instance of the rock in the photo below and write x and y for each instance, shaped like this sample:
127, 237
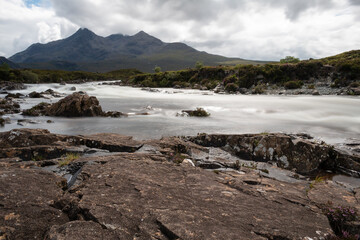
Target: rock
12, 95
26, 198
12, 86
2, 122
287, 151
354, 91
144, 195
7, 106
49, 121
188, 162
315, 93
198, 112
52, 93
24, 122
76, 105
35, 95
62, 83
219, 88
38, 110
80, 230
73, 89
115, 114
27, 143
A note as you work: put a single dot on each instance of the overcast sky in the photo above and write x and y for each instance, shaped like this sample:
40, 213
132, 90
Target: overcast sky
250, 29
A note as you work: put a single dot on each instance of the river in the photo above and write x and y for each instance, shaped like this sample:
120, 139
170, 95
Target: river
334, 119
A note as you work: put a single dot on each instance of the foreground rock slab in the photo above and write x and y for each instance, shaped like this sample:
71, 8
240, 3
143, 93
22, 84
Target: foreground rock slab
150, 190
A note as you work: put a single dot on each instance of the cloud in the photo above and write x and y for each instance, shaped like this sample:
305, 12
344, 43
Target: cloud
23, 23
257, 29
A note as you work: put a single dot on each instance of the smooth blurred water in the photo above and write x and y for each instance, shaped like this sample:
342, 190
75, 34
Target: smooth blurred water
330, 118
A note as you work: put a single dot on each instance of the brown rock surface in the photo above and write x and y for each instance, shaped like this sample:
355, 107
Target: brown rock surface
147, 195
76, 105
26, 196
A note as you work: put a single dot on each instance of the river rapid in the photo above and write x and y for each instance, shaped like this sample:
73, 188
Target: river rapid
334, 119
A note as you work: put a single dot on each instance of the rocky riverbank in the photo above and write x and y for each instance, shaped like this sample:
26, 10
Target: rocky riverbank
109, 186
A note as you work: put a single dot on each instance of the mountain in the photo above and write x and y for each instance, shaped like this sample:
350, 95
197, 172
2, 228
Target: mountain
85, 50
8, 62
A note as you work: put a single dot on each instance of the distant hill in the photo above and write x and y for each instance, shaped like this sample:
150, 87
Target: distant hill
86, 51
8, 62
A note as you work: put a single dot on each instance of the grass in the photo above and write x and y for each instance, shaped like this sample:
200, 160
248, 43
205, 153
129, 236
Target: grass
69, 157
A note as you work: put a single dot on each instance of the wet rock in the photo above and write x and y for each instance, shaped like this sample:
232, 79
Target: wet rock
198, 112
7, 106
52, 93
73, 89
288, 151
38, 110
24, 122
62, 83
115, 114
75, 105
2, 122
40, 144
14, 95
11, 86
35, 95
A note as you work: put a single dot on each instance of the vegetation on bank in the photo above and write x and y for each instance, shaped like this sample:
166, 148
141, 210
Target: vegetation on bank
343, 70
56, 76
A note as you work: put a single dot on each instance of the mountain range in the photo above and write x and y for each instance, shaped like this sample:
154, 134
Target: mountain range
84, 50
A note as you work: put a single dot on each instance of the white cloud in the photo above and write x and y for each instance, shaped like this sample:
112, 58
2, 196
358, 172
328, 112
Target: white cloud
20, 26
257, 29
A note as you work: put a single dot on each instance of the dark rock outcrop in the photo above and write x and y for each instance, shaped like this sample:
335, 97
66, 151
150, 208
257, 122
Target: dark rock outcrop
198, 112
11, 86
38, 110
291, 152
35, 95
7, 106
14, 95
28, 144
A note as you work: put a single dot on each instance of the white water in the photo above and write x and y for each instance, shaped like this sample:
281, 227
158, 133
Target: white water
330, 118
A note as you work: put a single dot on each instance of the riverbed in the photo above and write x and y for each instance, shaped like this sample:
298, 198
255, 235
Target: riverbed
333, 119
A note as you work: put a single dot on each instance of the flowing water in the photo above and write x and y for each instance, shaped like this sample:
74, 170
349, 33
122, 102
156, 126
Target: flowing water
334, 119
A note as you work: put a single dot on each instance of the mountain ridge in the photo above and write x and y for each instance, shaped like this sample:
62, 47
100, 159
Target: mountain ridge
84, 50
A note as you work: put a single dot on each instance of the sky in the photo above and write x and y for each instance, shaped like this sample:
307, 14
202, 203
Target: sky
249, 29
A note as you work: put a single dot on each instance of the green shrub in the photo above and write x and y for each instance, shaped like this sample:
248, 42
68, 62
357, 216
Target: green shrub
199, 65
231, 87
259, 89
289, 59
157, 69
293, 84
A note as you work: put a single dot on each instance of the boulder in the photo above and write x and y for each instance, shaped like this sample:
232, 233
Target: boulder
14, 95
76, 105
198, 112
35, 95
